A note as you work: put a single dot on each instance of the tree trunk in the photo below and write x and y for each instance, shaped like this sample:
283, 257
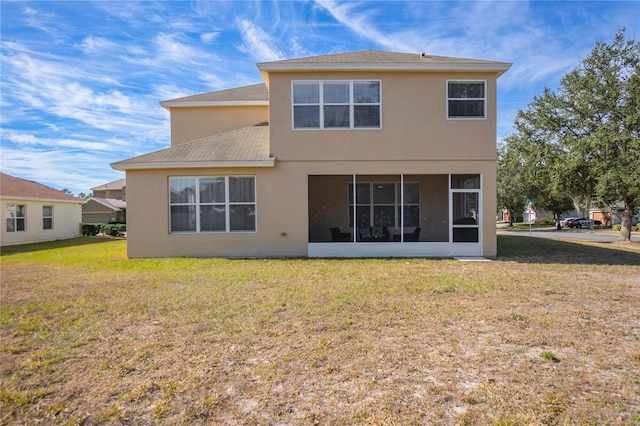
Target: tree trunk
511, 214
625, 226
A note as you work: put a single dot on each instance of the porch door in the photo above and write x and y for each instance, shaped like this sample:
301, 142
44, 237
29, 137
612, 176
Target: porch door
466, 205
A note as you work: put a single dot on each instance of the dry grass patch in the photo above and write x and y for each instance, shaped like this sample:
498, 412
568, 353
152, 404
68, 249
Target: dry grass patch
90, 337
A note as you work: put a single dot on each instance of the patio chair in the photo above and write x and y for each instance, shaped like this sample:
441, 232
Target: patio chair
337, 236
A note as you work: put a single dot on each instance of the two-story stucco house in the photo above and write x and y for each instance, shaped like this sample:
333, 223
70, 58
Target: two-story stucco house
108, 203
358, 154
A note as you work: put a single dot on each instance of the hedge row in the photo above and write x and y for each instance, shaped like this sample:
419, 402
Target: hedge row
617, 227
93, 229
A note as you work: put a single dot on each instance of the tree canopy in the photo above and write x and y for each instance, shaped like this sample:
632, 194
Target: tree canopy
582, 142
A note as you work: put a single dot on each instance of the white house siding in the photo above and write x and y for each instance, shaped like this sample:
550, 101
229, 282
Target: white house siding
66, 221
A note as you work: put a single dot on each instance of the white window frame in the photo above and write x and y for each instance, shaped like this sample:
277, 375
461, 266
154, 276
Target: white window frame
484, 99
12, 217
227, 204
398, 202
47, 217
321, 104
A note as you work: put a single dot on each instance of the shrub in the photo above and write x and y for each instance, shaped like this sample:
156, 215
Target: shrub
93, 229
616, 227
90, 229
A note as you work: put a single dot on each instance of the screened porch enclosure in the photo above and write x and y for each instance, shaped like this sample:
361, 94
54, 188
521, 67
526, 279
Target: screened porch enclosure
429, 208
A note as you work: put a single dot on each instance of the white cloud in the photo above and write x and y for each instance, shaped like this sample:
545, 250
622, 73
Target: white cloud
209, 37
355, 17
96, 44
257, 42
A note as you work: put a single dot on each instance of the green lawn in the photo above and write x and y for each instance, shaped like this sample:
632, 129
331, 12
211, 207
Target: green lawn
548, 333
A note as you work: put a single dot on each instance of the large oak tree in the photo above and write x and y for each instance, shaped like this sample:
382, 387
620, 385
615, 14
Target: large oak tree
583, 140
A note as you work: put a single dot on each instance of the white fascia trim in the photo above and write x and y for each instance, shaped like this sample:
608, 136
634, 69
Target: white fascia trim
499, 67
195, 165
191, 104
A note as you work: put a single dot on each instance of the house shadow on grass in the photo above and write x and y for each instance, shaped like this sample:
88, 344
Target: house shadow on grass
541, 250
47, 245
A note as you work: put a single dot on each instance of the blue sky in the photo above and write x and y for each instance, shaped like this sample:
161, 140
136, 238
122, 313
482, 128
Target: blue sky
81, 81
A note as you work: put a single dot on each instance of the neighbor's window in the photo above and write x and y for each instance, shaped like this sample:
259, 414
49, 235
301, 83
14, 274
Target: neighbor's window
16, 217
466, 99
212, 204
336, 104
47, 217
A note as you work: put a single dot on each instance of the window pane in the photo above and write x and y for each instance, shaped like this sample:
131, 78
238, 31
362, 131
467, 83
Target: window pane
363, 217
465, 208
306, 117
47, 223
336, 116
384, 216
212, 190
242, 218
11, 225
212, 218
183, 218
366, 116
21, 210
383, 193
306, 93
183, 190
47, 211
336, 92
466, 90
242, 189
11, 210
20, 224
465, 181
460, 108
366, 92
362, 193
411, 216
411, 193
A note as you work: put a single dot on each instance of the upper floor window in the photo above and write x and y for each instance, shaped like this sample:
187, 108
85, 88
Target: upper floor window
47, 217
466, 99
336, 104
16, 217
212, 204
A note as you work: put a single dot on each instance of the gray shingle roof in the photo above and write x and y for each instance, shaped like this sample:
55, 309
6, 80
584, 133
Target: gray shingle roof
253, 93
116, 184
376, 59
246, 145
110, 203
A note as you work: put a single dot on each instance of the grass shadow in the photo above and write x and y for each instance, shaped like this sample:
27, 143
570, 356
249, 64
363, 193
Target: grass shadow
541, 250
48, 245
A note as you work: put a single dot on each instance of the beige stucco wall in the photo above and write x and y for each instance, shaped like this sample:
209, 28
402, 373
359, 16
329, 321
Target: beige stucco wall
188, 124
416, 138
414, 122
282, 212
66, 221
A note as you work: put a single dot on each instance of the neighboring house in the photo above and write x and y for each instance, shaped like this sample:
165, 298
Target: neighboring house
32, 212
365, 154
108, 203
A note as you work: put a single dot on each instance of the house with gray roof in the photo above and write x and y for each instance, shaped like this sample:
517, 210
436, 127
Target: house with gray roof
360, 154
108, 203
